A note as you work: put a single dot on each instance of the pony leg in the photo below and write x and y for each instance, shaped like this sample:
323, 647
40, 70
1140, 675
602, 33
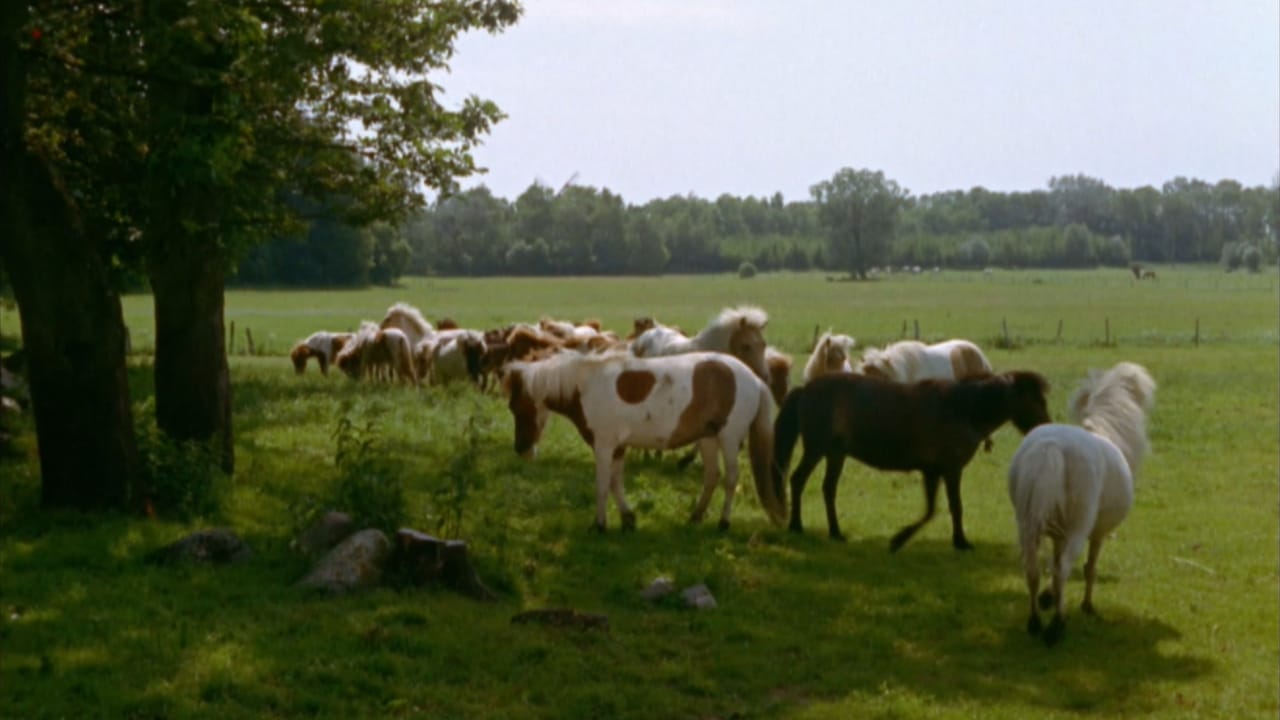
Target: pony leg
835, 464
798, 478
620, 495
324, 364
1031, 569
730, 480
604, 468
710, 476
1065, 553
1091, 574
958, 540
930, 502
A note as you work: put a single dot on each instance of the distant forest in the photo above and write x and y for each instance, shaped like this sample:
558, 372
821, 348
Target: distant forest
1077, 222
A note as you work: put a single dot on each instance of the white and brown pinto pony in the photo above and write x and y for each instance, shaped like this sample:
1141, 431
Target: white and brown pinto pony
323, 346
618, 401
911, 361
1074, 484
453, 355
378, 354
830, 355
735, 331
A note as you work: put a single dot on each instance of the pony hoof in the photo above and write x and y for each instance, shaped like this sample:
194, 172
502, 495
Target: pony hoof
896, 543
1046, 599
1033, 625
724, 525
628, 522
1054, 632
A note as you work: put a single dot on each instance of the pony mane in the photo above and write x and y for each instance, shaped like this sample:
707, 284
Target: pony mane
411, 315
717, 333
558, 376
818, 358
1114, 404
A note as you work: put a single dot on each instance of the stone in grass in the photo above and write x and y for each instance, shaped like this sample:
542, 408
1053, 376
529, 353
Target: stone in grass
658, 589
327, 531
215, 546
563, 618
698, 596
357, 563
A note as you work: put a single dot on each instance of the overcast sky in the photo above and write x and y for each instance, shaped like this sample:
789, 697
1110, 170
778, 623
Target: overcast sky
652, 98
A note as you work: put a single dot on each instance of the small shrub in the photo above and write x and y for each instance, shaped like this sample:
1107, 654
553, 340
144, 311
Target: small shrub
1251, 258
746, 270
180, 478
369, 485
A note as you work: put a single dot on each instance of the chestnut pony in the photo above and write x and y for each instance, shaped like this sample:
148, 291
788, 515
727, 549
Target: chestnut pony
933, 426
618, 401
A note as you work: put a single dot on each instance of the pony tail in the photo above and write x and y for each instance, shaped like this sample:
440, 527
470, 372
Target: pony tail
1037, 485
785, 431
760, 443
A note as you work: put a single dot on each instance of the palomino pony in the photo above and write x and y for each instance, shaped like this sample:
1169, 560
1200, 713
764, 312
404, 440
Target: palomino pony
323, 346
1075, 484
408, 320
378, 354
934, 426
736, 331
618, 401
911, 360
830, 355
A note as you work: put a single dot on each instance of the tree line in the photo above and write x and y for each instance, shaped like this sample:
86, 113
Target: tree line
857, 220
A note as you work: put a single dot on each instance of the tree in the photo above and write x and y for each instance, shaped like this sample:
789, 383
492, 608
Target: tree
167, 133
859, 210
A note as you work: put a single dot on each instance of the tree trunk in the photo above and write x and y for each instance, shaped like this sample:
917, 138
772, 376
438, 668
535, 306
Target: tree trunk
193, 386
72, 325
183, 230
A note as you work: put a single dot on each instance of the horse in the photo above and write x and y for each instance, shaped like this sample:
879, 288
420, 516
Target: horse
351, 358
911, 360
1075, 483
456, 355
736, 331
322, 345
934, 426
390, 353
830, 355
779, 364
616, 401
407, 319
1149, 275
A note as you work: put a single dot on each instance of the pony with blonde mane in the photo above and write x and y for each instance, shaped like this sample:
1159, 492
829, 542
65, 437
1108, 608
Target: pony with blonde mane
735, 331
1074, 484
378, 354
911, 360
408, 320
454, 355
618, 401
323, 346
830, 355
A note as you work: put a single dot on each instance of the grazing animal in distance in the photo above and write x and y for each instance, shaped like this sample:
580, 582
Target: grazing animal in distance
1149, 275
1074, 483
324, 346
912, 360
351, 358
934, 426
830, 355
616, 401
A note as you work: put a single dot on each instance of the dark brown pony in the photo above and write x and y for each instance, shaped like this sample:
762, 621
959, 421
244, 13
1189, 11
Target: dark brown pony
934, 426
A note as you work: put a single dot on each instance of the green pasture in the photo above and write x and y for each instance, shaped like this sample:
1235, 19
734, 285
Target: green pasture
805, 628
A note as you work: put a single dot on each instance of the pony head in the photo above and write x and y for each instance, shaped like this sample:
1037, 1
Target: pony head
1028, 393
641, 324
530, 414
744, 327
299, 355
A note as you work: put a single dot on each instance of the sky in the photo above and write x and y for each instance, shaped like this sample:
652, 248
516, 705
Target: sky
654, 98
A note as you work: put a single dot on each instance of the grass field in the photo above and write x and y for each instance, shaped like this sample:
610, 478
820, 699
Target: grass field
805, 628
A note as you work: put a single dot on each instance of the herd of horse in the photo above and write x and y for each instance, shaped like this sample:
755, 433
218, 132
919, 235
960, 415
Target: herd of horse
905, 407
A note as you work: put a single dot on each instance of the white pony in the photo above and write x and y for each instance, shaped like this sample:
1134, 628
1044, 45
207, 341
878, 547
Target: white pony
1075, 484
453, 355
735, 331
407, 319
617, 401
830, 355
912, 361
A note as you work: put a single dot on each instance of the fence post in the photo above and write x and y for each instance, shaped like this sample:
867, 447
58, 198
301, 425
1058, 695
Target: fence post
231, 339
1107, 329
1196, 339
249, 336
917, 326
1004, 326
1058, 337
904, 329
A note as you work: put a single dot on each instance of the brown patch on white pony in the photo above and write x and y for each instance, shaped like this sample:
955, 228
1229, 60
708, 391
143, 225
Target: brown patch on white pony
447, 324
299, 355
967, 362
633, 386
876, 371
713, 390
779, 375
524, 342
640, 325
591, 323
